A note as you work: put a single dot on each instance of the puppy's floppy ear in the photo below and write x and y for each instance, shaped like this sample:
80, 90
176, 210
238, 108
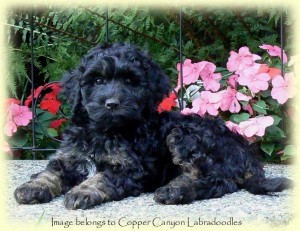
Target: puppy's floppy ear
71, 87
159, 82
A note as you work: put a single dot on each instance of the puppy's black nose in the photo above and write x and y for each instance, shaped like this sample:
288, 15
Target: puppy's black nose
112, 103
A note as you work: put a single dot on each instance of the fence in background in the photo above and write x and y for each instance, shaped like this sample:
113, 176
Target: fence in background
108, 38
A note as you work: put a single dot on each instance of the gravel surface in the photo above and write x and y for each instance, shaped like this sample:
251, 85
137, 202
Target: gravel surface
136, 212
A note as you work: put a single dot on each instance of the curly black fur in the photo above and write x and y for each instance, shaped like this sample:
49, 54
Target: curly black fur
117, 145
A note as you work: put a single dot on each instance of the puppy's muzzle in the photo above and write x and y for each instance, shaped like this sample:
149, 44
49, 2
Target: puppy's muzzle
112, 103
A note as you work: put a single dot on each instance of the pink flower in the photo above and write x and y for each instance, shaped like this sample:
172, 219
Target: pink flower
10, 127
206, 68
248, 108
242, 60
283, 89
211, 82
208, 103
232, 81
255, 126
230, 100
274, 51
17, 116
210, 79
251, 128
190, 73
232, 126
195, 107
254, 81
21, 114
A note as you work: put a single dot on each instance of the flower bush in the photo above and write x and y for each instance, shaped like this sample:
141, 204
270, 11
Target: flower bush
250, 94
49, 120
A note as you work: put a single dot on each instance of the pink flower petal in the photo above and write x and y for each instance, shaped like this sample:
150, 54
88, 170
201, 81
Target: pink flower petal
232, 81
212, 110
280, 94
263, 123
274, 51
278, 81
190, 73
283, 89
244, 59
234, 107
241, 96
251, 130
9, 128
21, 115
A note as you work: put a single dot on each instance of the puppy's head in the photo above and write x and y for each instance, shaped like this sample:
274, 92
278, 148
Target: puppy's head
115, 85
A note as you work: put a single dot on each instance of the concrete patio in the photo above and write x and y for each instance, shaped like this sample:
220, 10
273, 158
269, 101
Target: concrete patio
234, 209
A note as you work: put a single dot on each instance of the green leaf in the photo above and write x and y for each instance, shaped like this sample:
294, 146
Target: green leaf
265, 93
237, 118
277, 119
267, 148
260, 106
19, 139
52, 132
39, 136
289, 151
39, 129
274, 133
220, 69
38, 111
272, 102
45, 116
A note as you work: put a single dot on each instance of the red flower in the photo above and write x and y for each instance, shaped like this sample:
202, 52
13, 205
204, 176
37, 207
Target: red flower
50, 103
36, 93
54, 87
269, 70
57, 123
167, 103
11, 101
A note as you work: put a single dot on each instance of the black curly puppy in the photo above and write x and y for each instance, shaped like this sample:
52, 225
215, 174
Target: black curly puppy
117, 145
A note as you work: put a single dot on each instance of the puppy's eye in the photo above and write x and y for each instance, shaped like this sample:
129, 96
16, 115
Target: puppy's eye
128, 81
99, 81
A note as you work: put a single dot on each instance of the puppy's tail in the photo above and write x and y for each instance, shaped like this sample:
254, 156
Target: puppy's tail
263, 186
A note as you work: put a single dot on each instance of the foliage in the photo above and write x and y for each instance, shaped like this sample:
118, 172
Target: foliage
63, 35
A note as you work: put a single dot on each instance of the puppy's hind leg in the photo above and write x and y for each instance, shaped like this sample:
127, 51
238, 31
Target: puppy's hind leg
189, 152
184, 189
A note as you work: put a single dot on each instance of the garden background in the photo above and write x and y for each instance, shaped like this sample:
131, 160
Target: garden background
63, 35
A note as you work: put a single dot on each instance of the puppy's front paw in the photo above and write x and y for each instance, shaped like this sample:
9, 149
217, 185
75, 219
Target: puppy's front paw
32, 193
82, 198
174, 195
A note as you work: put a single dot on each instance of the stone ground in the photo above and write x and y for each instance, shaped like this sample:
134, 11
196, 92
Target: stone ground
240, 207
